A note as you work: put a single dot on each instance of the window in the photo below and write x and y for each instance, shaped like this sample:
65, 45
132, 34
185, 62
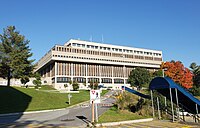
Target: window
78, 45
118, 81
106, 80
63, 79
92, 46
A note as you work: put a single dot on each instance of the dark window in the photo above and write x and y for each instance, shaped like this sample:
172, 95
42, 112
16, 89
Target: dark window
106, 80
63, 79
118, 81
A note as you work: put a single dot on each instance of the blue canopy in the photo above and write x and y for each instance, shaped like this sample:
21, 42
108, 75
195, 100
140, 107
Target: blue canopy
187, 100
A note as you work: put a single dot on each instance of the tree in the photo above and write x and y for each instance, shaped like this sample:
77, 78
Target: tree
37, 82
24, 80
178, 73
158, 73
15, 54
138, 77
195, 69
196, 74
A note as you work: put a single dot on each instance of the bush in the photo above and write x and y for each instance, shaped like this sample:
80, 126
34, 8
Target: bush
75, 86
195, 91
93, 85
124, 100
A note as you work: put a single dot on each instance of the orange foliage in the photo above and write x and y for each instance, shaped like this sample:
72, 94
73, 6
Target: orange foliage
177, 72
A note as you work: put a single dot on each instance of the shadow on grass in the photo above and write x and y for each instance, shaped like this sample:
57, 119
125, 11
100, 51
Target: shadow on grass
12, 101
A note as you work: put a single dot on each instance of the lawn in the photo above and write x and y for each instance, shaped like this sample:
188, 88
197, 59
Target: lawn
113, 115
18, 99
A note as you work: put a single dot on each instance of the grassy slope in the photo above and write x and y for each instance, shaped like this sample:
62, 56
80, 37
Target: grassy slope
17, 99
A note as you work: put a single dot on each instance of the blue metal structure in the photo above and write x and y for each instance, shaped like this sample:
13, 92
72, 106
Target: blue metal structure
185, 99
135, 92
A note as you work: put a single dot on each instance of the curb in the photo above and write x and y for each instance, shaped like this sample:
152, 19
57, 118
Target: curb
123, 122
31, 112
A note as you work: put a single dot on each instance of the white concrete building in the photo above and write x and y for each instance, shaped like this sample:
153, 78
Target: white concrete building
86, 62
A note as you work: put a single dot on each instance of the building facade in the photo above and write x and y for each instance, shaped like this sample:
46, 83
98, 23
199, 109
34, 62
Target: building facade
86, 62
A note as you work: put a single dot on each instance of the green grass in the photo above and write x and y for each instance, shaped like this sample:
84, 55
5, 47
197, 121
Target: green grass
113, 115
104, 92
47, 87
19, 99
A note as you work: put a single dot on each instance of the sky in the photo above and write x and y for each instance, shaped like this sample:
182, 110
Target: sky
172, 26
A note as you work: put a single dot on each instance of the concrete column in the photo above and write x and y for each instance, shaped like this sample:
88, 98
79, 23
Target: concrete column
56, 66
112, 76
72, 72
100, 74
124, 74
50, 71
86, 73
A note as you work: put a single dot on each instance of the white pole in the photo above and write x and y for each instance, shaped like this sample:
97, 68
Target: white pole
165, 105
163, 73
170, 90
177, 103
152, 103
96, 112
197, 112
69, 98
158, 109
92, 111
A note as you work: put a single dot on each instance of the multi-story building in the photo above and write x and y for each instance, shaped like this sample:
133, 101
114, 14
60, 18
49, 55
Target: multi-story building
85, 62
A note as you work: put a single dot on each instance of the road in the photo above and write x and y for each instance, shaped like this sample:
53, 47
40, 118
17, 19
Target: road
77, 116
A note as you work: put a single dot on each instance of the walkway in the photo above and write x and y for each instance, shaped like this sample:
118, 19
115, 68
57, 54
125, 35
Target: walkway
157, 124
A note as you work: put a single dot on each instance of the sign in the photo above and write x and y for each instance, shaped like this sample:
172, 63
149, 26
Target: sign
95, 96
69, 95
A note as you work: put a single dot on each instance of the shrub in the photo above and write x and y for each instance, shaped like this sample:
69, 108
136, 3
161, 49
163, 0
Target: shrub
75, 86
195, 91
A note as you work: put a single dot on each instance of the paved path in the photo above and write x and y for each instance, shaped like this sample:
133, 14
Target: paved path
77, 116
157, 124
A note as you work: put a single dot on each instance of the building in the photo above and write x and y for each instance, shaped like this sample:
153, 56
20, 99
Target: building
86, 62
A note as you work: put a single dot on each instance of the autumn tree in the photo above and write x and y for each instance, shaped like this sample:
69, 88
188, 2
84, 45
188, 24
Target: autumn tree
14, 55
177, 72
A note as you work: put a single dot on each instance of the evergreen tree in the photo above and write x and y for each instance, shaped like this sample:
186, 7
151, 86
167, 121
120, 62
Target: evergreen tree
14, 55
196, 74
